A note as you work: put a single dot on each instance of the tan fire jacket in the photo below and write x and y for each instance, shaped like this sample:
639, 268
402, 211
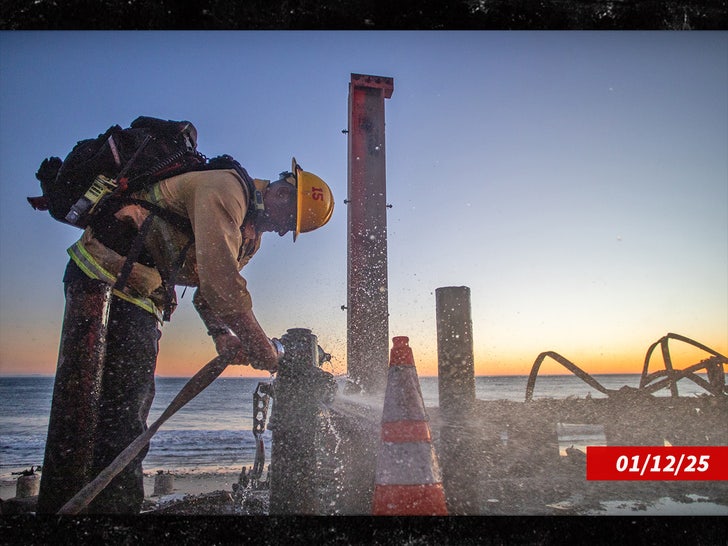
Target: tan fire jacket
224, 241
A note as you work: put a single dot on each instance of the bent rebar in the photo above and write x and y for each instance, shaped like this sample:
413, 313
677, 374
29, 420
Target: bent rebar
573, 368
715, 385
672, 375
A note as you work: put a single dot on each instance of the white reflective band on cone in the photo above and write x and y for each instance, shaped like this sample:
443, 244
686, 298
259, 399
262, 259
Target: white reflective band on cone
403, 397
411, 463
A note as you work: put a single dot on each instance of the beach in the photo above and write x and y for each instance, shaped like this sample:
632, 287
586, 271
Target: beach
185, 482
205, 446
193, 491
203, 509
208, 491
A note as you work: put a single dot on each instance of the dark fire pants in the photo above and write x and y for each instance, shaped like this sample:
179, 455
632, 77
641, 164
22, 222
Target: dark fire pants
99, 409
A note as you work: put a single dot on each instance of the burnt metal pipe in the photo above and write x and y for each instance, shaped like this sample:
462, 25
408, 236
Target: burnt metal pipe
455, 360
74, 409
460, 444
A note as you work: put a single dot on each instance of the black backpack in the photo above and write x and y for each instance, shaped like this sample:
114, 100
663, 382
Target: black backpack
99, 174
114, 164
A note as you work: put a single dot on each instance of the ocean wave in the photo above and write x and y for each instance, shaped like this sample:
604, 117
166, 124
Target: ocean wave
215, 428
21, 450
203, 447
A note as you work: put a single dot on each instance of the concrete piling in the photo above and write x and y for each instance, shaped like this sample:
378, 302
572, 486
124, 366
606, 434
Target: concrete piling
357, 452
163, 483
716, 375
27, 485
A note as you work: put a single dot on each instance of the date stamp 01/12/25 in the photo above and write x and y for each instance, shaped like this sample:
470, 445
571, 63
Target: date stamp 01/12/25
689, 463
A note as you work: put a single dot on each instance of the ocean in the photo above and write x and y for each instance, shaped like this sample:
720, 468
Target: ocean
214, 431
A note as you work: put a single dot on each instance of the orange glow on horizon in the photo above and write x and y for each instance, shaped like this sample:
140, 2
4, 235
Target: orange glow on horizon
178, 360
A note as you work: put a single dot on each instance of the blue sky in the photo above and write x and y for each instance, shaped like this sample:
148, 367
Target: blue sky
576, 182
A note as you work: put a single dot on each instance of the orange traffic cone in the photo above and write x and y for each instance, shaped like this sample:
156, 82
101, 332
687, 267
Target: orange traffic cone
408, 480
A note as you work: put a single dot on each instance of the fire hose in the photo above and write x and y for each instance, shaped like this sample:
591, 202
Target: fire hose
199, 382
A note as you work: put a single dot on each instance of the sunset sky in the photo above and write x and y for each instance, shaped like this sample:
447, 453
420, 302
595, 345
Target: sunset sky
576, 182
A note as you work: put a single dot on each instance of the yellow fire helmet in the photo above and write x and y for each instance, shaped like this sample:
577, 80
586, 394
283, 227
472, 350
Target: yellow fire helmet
315, 200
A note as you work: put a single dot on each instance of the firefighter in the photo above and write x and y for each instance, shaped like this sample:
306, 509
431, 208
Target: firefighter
226, 213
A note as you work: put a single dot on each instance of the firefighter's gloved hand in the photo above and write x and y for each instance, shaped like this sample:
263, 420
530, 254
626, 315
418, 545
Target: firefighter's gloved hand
258, 350
278, 350
49, 169
229, 347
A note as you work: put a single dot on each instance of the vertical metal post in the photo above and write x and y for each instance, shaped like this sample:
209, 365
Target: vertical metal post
455, 361
299, 388
76, 392
716, 375
367, 293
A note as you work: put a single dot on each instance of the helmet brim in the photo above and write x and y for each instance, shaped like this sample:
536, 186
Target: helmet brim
295, 167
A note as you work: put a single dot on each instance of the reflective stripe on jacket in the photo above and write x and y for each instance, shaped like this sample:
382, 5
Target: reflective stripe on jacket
88, 264
211, 199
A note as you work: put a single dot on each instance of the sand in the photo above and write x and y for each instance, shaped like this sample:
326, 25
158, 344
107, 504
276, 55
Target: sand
208, 490
184, 482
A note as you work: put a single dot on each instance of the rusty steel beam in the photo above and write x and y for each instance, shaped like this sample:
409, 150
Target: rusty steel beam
367, 285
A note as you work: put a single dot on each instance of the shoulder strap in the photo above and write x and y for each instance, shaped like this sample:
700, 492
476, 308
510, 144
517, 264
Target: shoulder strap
177, 220
181, 223
134, 251
137, 246
255, 200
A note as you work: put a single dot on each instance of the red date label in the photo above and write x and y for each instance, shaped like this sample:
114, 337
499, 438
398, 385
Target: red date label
656, 463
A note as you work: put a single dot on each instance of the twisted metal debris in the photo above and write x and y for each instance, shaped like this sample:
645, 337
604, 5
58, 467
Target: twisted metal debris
651, 382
